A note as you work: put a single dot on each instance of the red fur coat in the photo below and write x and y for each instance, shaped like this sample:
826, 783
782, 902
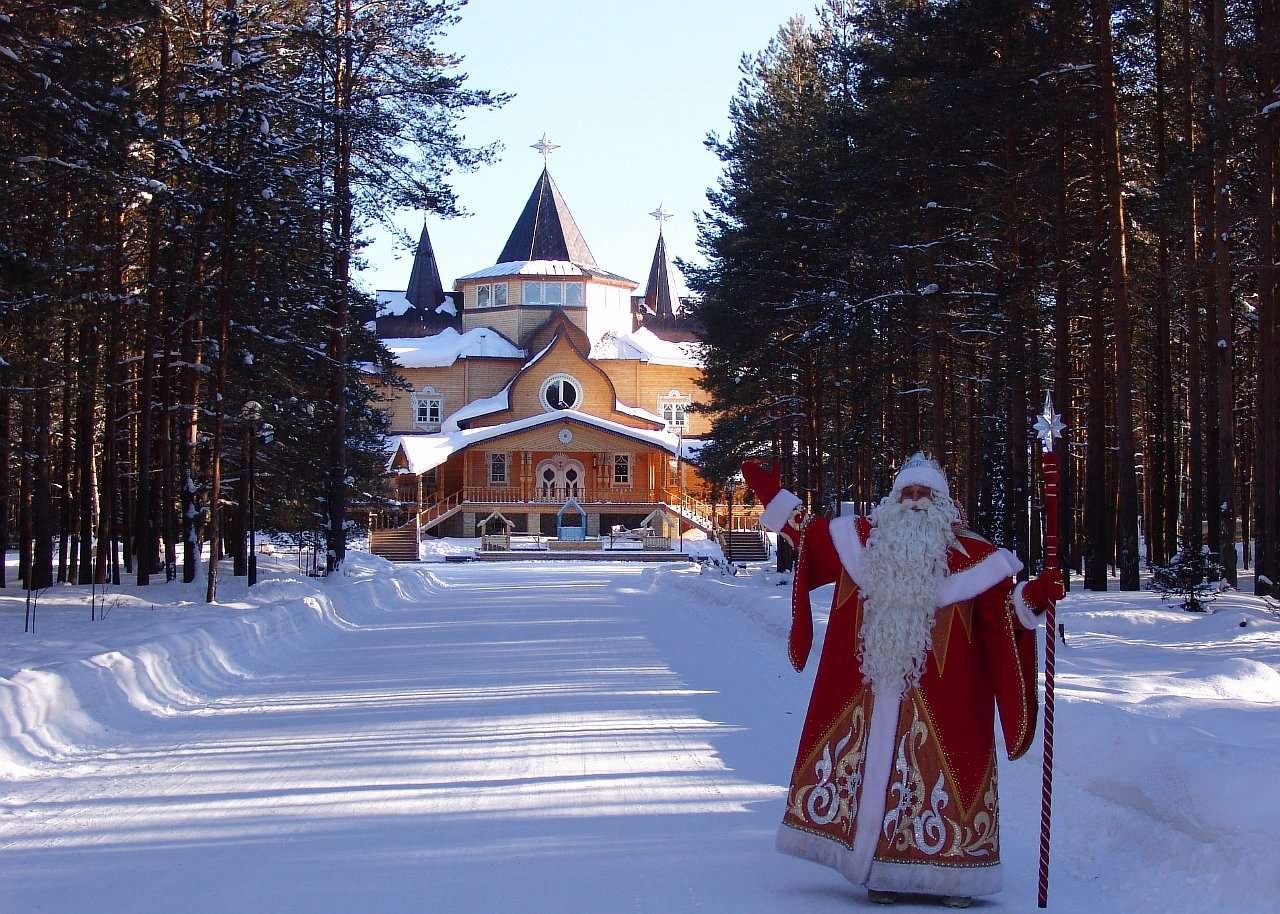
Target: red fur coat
900, 794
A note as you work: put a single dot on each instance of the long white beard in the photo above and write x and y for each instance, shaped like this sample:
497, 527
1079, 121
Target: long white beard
905, 558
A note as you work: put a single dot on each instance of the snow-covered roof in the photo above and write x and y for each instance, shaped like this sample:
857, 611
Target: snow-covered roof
446, 347
543, 268
638, 413
393, 303
425, 452
646, 346
528, 268
482, 407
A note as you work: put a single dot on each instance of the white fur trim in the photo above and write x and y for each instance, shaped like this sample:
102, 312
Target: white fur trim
875, 782
965, 585
921, 475
778, 511
807, 846
1026, 615
928, 879
844, 536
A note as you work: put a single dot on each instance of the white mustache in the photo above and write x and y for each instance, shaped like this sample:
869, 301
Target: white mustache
917, 504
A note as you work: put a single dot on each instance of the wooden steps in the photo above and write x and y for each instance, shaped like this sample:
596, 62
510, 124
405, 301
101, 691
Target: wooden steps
395, 544
745, 546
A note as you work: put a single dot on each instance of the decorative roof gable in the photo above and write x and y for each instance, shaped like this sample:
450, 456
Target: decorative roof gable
546, 229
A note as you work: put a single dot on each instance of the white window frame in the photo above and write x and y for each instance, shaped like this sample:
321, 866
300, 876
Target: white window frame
624, 462
579, 393
488, 293
427, 397
543, 285
499, 459
673, 401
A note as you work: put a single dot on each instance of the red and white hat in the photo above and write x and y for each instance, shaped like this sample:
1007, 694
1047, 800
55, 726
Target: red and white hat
919, 470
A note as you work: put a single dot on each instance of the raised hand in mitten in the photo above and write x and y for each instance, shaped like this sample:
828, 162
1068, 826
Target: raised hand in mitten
1044, 591
764, 479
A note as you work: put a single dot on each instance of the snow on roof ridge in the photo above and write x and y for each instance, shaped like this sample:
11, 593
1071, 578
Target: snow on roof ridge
426, 452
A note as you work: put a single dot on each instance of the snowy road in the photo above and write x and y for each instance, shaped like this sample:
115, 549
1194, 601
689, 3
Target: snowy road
564, 739
517, 741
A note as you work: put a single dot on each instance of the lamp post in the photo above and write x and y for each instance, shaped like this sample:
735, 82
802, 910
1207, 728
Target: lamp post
730, 489
251, 413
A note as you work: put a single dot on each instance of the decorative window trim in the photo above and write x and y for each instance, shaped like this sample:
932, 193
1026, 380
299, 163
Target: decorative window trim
429, 397
673, 407
495, 460
555, 378
627, 465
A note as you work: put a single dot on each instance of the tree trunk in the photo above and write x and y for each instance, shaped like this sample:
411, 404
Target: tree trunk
1193, 535
5, 481
26, 483
1267, 424
1097, 508
66, 514
1126, 474
1224, 344
42, 515
1160, 479
336, 532
84, 444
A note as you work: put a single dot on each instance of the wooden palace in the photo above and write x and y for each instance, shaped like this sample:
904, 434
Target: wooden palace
543, 378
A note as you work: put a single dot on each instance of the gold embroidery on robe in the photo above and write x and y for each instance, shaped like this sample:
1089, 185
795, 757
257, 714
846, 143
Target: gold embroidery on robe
923, 821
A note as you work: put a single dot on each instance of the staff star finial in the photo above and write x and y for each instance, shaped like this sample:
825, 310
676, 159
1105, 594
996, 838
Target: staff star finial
546, 147
1049, 425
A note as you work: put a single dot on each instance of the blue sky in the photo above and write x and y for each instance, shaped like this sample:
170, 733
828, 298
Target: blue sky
628, 89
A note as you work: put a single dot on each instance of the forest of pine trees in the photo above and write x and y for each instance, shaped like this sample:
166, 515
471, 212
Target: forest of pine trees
184, 189
933, 213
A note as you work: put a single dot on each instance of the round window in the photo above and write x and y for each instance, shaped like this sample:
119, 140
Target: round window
561, 392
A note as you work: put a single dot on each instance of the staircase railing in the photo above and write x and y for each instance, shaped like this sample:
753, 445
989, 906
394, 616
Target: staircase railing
431, 515
694, 509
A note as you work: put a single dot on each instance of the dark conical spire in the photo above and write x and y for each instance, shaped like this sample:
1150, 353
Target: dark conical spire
425, 291
663, 290
546, 229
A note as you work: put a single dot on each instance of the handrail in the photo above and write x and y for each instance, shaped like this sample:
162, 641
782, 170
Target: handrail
431, 514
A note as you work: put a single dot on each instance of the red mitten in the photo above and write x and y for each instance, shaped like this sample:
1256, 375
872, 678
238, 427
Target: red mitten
765, 480
1044, 591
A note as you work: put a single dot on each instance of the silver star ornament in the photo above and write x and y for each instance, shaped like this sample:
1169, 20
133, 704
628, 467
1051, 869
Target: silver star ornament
1049, 424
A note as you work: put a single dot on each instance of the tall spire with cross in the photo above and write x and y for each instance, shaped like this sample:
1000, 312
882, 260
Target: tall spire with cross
662, 292
546, 229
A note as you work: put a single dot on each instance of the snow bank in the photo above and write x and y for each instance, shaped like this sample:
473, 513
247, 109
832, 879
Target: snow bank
68, 689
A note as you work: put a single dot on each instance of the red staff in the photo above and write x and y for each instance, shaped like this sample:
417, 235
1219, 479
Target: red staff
1048, 428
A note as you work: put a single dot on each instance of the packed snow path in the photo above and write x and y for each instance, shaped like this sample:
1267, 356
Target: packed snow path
564, 739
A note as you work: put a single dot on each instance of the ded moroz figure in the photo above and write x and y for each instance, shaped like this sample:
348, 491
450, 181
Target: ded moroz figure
894, 783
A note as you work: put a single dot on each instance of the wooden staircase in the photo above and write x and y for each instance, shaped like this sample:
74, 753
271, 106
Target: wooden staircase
744, 546
395, 544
